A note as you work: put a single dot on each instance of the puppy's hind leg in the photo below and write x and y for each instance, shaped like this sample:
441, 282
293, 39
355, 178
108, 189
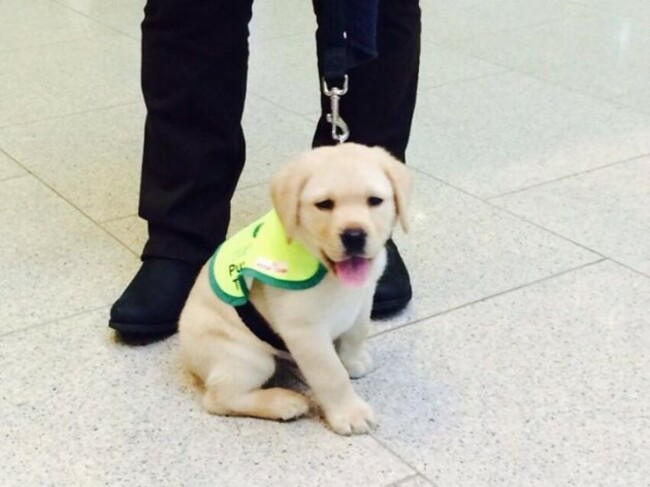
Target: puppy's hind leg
233, 388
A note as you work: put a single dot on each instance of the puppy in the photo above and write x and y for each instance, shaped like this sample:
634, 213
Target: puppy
337, 206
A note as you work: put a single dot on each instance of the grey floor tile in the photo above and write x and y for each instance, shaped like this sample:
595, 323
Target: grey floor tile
23, 443
271, 20
442, 66
25, 98
637, 101
604, 56
415, 481
8, 167
122, 15
41, 22
607, 210
55, 262
249, 204
285, 72
63, 78
131, 231
540, 386
93, 159
505, 132
131, 416
273, 136
443, 20
633, 9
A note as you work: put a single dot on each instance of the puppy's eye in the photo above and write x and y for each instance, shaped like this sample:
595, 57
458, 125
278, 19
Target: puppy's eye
375, 201
325, 205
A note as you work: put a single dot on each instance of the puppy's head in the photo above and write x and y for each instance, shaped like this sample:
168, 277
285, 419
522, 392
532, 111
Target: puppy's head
342, 203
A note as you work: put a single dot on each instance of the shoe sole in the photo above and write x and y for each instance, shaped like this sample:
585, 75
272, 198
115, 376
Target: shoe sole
144, 329
389, 308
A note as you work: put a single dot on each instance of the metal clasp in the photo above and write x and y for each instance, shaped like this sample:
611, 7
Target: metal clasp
338, 124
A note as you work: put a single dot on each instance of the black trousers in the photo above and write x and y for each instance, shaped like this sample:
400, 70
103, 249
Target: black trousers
194, 67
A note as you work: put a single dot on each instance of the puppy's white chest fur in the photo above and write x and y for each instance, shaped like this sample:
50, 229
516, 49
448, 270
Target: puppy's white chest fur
329, 306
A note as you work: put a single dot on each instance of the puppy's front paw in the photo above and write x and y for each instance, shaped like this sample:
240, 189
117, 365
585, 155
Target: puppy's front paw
355, 418
357, 365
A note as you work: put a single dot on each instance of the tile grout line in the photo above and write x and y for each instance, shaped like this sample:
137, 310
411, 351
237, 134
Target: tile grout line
298, 376
270, 38
17, 162
609, 101
450, 41
10, 178
405, 462
563, 237
601, 11
59, 42
397, 456
489, 202
83, 14
66, 200
513, 215
640, 111
629, 268
492, 296
413, 477
80, 38
119, 218
68, 115
246, 187
556, 234
304, 116
131, 215
568, 176
471, 78
53, 321
83, 214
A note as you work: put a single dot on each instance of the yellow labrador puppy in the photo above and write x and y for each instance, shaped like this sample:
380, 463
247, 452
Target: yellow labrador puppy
338, 205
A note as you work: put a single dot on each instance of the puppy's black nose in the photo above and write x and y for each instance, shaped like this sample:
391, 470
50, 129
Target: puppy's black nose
354, 240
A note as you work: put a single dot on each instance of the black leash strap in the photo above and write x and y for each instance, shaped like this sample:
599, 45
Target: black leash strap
335, 61
350, 36
258, 325
336, 64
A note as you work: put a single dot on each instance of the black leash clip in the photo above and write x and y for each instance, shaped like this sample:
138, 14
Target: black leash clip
340, 130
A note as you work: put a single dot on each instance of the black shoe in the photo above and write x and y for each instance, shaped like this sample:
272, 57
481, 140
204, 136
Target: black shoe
153, 301
394, 287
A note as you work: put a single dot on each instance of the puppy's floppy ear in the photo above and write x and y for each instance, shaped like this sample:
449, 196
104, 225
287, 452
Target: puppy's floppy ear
286, 187
400, 178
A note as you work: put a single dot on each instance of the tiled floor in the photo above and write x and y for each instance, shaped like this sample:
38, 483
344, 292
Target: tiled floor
524, 358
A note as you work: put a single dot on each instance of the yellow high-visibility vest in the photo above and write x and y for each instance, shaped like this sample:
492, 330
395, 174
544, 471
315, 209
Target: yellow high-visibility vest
261, 251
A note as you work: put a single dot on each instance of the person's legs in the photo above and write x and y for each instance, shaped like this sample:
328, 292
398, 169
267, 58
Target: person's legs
379, 108
194, 65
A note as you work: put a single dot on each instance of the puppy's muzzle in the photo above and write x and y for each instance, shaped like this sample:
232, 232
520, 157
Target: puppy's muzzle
354, 241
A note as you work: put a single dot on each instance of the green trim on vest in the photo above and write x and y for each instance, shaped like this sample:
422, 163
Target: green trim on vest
261, 251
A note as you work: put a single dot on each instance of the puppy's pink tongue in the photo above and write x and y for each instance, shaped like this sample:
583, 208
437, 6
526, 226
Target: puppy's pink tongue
353, 271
